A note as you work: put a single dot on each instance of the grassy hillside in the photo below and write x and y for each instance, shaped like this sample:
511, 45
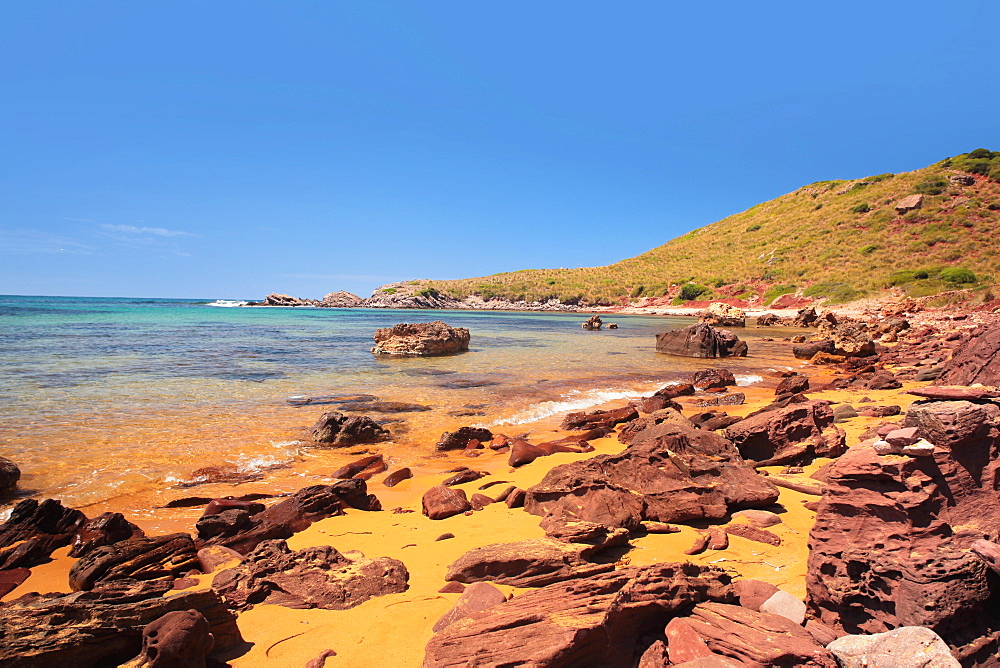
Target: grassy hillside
834, 239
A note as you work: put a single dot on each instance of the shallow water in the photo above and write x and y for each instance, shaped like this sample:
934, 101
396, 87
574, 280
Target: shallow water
106, 397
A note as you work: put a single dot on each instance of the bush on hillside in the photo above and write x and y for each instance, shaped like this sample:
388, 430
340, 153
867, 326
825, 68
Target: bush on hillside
836, 293
861, 208
691, 291
957, 275
933, 186
776, 291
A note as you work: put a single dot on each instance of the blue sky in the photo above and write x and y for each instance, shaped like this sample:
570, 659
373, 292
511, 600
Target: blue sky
230, 149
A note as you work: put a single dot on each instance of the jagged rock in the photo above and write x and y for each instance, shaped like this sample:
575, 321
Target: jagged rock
341, 299
792, 385
731, 399
634, 427
421, 338
459, 439
477, 597
675, 390
216, 506
441, 502
792, 434
850, 338
596, 621
275, 299
768, 320
316, 577
598, 419
9, 475
721, 314
670, 473
891, 543
683, 642
105, 529
909, 203
177, 639
594, 322
701, 340
653, 404
297, 512
910, 646
807, 317
81, 629
713, 420
35, 530
340, 431
978, 361
757, 638
809, 350
705, 379
137, 559
535, 562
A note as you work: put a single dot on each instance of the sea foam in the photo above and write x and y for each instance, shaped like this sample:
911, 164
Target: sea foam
573, 401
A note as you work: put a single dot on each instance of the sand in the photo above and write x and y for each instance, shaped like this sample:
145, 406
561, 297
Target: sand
393, 630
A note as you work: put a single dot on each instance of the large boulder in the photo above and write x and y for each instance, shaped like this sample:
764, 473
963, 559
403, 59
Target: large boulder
421, 338
459, 439
891, 545
721, 314
341, 299
700, 340
595, 621
796, 433
35, 530
670, 473
341, 431
84, 628
905, 646
105, 529
178, 638
978, 361
315, 577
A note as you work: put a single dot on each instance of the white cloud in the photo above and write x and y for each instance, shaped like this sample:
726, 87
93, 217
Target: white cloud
32, 242
155, 231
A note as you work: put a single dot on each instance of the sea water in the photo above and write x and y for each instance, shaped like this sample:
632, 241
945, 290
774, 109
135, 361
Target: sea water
104, 397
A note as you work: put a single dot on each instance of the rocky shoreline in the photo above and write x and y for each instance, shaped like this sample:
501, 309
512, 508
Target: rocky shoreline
796, 523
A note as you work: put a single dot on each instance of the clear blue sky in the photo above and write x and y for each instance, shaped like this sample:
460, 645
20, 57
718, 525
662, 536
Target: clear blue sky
230, 149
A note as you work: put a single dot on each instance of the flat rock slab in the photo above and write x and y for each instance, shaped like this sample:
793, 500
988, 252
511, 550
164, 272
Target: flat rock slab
316, 577
138, 559
594, 621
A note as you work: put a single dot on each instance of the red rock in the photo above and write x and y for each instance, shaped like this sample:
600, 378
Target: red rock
421, 339
9, 475
216, 506
753, 533
706, 379
35, 530
460, 438
809, 350
753, 593
315, 577
212, 557
516, 498
785, 605
319, 661
902, 437
478, 596
793, 434
978, 360
452, 588
701, 340
137, 558
522, 452
441, 502
823, 634
598, 419
339, 430
891, 543
480, 501
105, 529
362, 469
717, 539
670, 473
595, 621
660, 527
11, 579
463, 476
792, 385
653, 404
178, 638
974, 394
757, 638
397, 476
684, 643
655, 656
758, 518
700, 544
675, 390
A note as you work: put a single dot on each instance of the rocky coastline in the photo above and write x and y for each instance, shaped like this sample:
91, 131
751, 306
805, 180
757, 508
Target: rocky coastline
842, 513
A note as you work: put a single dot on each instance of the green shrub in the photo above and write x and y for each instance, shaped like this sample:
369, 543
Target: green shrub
754, 227
389, 291
861, 208
901, 277
776, 291
868, 250
428, 292
957, 275
932, 186
637, 291
921, 273
835, 292
691, 291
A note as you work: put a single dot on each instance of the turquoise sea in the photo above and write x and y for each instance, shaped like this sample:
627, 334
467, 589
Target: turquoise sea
105, 397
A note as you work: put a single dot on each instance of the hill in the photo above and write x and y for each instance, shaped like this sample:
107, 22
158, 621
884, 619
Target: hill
839, 240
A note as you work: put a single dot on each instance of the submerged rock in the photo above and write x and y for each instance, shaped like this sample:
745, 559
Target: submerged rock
340, 431
421, 338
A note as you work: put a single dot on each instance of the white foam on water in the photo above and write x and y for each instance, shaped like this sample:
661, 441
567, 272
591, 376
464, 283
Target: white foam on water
573, 401
227, 303
743, 379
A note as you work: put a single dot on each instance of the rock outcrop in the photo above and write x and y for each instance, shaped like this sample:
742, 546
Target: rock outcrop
421, 339
670, 473
978, 361
340, 431
594, 621
459, 439
105, 529
316, 577
700, 340
593, 323
794, 434
906, 646
138, 559
341, 299
178, 638
81, 629
721, 314
35, 530
892, 538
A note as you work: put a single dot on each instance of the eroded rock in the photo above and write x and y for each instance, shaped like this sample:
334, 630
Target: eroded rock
421, 339
701, 340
